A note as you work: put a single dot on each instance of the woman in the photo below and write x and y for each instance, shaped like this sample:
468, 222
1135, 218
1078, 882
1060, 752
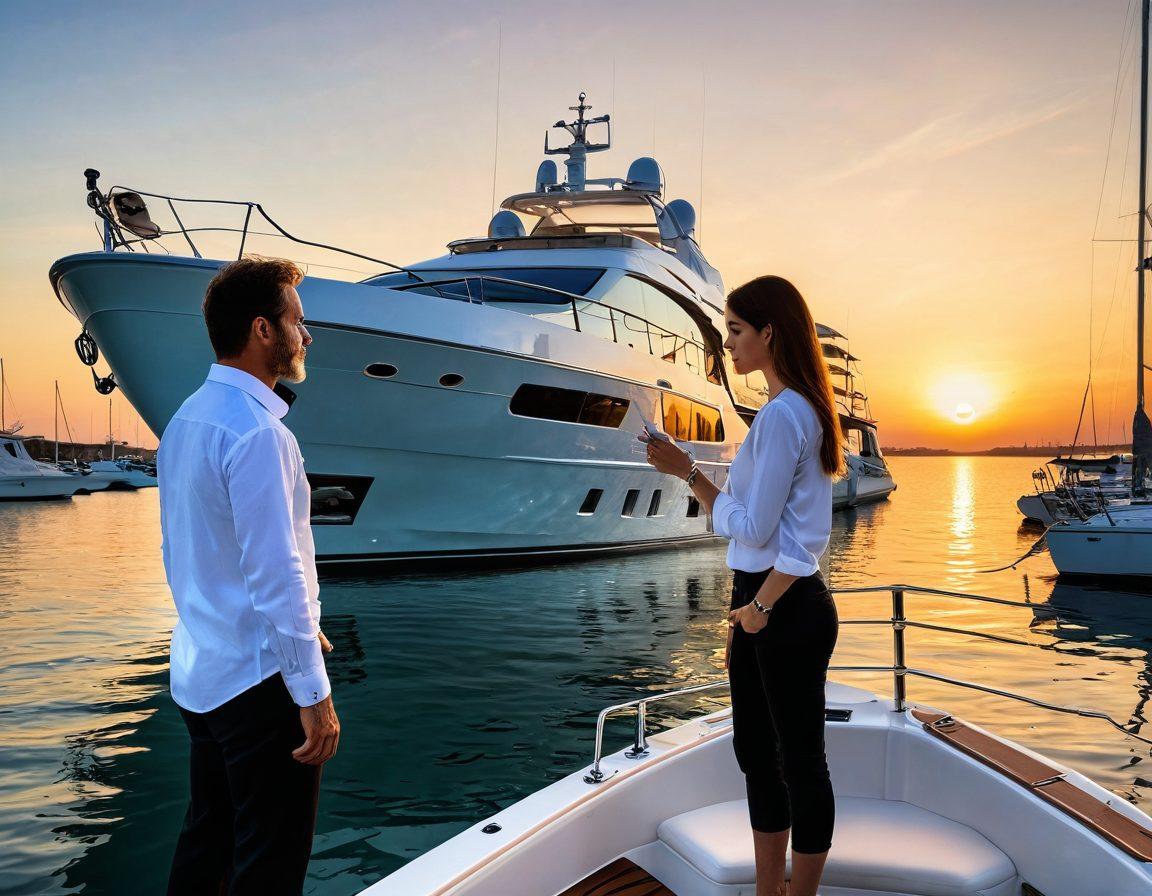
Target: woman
776, 511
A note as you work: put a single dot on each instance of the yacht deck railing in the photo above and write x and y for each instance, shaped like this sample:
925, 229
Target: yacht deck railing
117, 234
900, 671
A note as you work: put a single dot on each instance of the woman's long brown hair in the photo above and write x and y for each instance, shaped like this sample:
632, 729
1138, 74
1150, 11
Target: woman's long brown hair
796, 353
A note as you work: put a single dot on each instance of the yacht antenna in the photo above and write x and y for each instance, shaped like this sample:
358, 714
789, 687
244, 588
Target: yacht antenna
496, 138
578, 150
1141, 425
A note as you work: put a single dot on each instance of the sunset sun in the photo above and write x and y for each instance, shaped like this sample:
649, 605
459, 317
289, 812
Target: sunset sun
963, 397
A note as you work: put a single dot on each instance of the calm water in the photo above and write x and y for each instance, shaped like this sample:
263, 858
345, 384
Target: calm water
459, 695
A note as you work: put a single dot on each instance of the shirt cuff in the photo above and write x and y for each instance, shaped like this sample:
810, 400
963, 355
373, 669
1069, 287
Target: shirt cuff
308, 690
792, 567
721, 510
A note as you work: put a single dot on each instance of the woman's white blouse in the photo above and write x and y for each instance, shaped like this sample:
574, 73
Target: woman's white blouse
776, 507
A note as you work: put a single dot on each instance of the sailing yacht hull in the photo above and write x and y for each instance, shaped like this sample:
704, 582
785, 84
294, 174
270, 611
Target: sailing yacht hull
439, 471
1098, 549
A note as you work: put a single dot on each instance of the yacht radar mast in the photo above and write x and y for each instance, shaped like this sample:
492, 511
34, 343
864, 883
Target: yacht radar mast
577, 152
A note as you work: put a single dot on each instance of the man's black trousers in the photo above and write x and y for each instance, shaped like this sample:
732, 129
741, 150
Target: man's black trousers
252, 810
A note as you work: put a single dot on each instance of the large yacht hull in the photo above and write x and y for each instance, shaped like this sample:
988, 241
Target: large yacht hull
449, 471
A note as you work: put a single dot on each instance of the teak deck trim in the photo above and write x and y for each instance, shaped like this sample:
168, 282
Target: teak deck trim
620, 878
1044, 781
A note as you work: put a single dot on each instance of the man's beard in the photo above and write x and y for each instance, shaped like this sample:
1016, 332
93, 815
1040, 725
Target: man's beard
285, 364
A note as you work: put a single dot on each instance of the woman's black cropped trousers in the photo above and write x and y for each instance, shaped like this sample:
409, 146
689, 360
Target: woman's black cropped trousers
777, 678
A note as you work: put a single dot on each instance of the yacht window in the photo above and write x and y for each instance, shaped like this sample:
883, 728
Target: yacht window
654, 504
547, 403
852, 437
693, 507
570, 280
678, 418
674, 334
337, 499
603, 410
10, 448
690, 421
591, 500
568, 406
706, 423
630, 502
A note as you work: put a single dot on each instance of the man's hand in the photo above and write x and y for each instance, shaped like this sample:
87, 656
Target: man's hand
321, 732
325, 644
728, 647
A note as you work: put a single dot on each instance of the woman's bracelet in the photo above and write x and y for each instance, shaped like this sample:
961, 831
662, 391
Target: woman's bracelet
692, 474
760, 608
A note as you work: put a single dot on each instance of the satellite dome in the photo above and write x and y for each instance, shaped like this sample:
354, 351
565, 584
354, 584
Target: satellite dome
546, 176
505, 225
645, 175
684, 215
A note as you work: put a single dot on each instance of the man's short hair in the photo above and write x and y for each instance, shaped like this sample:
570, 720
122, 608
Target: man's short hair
242, 291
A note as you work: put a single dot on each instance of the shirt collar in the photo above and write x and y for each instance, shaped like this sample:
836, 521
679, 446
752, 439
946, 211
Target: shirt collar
232, 376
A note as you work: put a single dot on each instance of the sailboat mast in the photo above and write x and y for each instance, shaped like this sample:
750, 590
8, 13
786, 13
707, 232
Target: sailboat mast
56, 421
3, 428
1142, 216
1141, 425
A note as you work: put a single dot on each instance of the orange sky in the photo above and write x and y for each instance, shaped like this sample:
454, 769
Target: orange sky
931, 175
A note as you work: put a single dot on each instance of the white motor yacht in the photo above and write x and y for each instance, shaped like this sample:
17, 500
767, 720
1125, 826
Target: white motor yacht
121, 475
926, 805
483, 404
868, 478
24, 479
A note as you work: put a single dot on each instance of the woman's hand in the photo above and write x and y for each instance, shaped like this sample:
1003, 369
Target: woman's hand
748, 618
669, 458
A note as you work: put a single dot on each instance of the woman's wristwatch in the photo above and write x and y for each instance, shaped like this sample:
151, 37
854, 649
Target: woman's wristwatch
692, 474
760, 608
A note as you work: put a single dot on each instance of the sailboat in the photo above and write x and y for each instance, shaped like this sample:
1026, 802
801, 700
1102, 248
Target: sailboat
1117, 541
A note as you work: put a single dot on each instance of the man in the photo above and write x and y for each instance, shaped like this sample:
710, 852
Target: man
247, 653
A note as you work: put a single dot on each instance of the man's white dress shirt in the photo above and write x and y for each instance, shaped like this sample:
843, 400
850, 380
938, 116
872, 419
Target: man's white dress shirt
776, 507
238, 550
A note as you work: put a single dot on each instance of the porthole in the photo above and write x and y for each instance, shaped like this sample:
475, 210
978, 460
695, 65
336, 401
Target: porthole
381, 371
451, 380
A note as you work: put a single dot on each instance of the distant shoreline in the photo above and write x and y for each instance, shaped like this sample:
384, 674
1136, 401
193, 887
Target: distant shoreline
1011, 451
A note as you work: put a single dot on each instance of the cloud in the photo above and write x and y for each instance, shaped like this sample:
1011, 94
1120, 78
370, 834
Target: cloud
959, 132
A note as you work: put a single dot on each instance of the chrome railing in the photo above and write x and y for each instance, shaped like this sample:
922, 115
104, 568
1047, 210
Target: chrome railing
117, 234
615, 317
899, 670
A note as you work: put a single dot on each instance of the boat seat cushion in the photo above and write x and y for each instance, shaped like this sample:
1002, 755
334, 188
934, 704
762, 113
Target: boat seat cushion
882, 845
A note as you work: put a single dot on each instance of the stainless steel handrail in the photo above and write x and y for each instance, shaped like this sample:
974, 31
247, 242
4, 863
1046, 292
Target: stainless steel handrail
572, 299
899, 671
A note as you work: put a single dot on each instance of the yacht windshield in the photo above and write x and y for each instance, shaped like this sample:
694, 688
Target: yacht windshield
576, 281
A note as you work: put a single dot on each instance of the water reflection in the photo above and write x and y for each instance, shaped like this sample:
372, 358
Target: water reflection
462, 693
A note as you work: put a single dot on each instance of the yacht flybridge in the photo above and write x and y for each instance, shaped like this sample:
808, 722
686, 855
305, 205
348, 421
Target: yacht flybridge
479, 405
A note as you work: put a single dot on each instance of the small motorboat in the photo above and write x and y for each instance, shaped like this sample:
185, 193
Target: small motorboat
927, 805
